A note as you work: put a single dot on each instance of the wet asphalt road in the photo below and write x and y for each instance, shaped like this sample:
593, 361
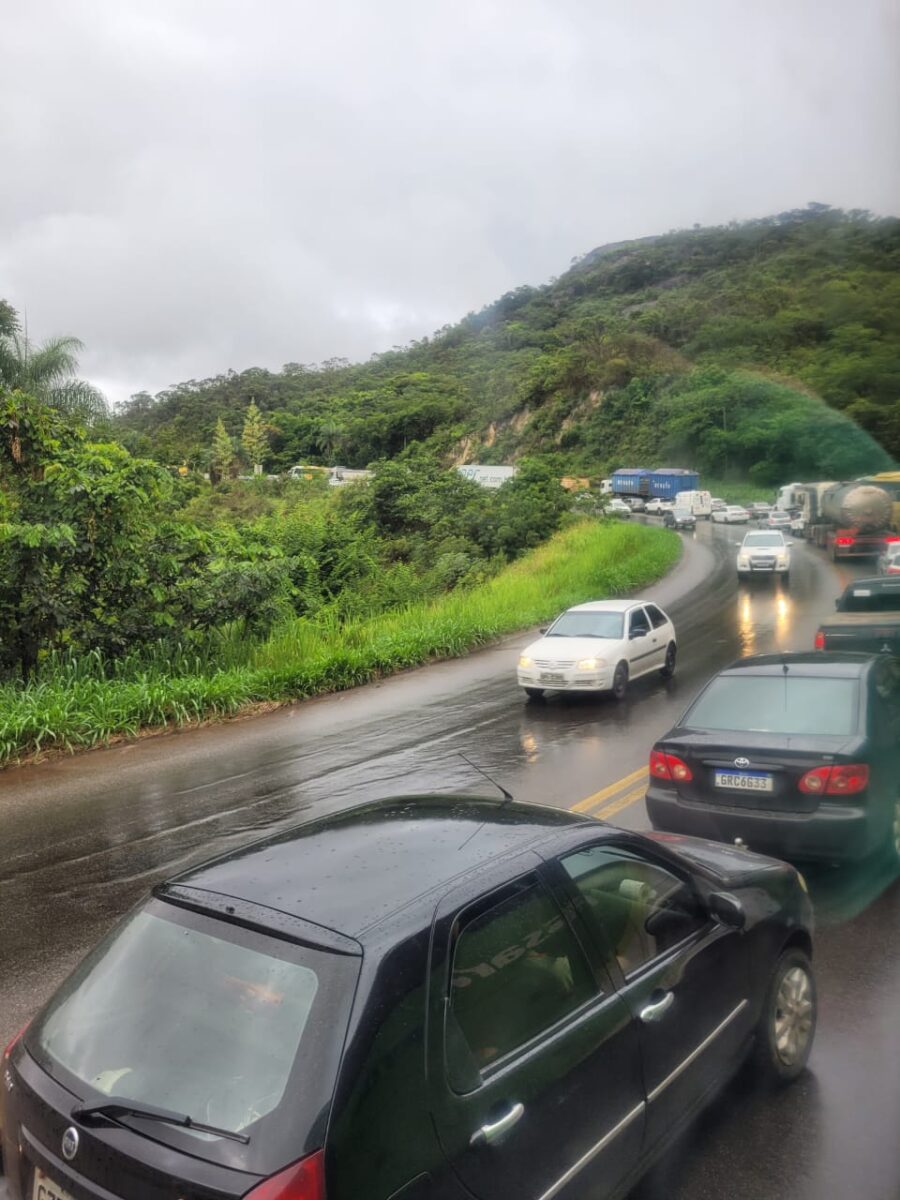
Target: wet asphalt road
84, 838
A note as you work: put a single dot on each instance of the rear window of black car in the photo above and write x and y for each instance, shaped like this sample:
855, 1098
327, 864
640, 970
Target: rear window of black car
777, 704
873, 598
226, 1025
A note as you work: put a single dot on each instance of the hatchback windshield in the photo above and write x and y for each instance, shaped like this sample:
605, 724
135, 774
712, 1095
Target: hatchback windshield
588, 625
777, 704
219, 1042
763, 539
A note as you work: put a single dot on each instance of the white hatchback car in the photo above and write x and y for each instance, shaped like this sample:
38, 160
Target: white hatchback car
764, 552
599, 647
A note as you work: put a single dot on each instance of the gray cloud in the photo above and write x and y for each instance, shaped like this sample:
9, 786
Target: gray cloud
193, 185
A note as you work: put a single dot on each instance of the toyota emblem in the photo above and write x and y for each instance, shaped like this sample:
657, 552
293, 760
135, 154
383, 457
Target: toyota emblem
70, 1143
742, 762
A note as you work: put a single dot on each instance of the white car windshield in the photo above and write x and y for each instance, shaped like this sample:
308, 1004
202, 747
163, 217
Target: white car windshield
588, 625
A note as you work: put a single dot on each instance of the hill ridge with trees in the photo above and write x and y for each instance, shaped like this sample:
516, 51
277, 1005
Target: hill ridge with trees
707, 347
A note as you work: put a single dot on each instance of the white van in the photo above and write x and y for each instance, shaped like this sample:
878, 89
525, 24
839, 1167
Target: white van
698, 503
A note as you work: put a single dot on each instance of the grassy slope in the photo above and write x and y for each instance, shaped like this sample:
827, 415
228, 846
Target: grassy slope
586, 560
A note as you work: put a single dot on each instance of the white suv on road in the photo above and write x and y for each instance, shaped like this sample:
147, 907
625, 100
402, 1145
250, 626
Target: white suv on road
599, 647
764, 552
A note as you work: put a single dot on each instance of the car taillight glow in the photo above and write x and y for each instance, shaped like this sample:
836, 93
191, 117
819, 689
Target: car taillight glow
841, 780
820, 640
9, 1049
669, 766
304, 1180
844, 540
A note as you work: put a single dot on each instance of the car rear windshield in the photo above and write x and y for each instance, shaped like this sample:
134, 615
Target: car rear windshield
763, 539
777, 704
231, 1027
876, 598
588, 624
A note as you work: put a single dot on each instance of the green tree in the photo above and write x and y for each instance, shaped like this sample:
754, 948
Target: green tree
47, 371
254, 437
222, 452
93, 557
329, 435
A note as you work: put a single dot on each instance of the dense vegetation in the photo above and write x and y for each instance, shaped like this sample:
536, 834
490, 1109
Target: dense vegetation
80, 701
102, 552
768, 350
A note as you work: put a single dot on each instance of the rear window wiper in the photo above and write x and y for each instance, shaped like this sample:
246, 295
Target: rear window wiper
113, 1108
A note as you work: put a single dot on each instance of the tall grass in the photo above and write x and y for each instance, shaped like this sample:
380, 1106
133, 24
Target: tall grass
81, 702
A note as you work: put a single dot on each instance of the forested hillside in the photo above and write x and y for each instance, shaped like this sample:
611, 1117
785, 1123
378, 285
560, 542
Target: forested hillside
759, 350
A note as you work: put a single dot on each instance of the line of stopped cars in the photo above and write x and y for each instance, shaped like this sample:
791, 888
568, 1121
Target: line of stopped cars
448, 998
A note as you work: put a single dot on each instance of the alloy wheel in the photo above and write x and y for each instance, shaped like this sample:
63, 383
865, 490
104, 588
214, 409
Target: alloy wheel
793, 1018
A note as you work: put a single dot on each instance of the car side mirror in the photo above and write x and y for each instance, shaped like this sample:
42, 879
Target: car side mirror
543, 631
727, 910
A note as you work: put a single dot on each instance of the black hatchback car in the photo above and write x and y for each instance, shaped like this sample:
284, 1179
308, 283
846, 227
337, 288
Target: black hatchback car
797, 755
428, 999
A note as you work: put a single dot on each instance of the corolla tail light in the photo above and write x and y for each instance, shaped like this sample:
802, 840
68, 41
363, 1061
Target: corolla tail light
669, 766
304, 1180
820, 640
843, 780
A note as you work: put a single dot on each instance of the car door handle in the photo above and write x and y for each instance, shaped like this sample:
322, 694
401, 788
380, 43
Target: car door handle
493, 1132
653, 1012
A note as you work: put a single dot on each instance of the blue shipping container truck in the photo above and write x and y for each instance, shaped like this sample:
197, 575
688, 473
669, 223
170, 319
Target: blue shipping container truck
663, 484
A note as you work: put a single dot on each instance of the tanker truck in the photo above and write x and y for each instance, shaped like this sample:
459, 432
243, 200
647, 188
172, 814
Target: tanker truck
849, 520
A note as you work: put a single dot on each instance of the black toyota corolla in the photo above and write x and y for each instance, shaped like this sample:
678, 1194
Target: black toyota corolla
795, 754
428, 999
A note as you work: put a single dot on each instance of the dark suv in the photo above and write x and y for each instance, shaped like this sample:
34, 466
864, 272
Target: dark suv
421, 999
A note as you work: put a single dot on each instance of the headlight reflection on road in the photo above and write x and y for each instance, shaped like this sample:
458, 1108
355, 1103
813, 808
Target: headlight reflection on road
783, 612
530, 747
746, 627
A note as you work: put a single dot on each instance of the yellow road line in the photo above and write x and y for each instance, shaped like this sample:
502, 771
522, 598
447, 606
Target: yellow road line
606, 793
610, 810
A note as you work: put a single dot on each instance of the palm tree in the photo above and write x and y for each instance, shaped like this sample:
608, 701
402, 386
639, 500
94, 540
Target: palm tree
48, 372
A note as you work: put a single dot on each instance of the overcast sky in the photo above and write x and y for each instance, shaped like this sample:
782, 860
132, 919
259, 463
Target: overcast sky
196, 185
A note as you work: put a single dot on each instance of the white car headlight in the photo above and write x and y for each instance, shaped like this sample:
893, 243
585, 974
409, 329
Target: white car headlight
782, 560
743, 561
590, 664
525, 661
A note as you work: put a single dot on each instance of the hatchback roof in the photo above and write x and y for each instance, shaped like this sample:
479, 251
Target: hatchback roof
812, 662
607, 605
350, 870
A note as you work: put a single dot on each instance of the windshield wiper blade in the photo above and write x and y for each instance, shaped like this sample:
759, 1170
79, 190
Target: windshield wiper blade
114, 1107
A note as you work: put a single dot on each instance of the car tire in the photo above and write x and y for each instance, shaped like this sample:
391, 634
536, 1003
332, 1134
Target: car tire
668, 669
534, 693
620, 682
787, 1024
